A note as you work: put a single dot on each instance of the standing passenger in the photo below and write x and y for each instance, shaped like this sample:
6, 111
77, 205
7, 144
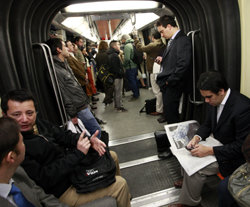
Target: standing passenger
116, 68
130, 67
153, 49
175, 65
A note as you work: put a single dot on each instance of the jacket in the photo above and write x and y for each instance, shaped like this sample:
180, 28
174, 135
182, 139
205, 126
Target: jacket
176, 63
116, 67
46, 160
102, 59
74, 97
78, 70
231, 130
153, 50
33, 193
128, 55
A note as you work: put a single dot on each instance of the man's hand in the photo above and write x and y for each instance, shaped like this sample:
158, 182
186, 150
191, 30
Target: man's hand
83, 144
193, 142
202, 151
74, 120
158, 59
97, 144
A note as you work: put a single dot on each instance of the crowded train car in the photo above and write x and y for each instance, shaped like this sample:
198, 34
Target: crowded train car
155, 78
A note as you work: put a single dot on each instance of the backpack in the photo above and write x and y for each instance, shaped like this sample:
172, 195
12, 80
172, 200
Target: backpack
105, 76
138, 56
150, 106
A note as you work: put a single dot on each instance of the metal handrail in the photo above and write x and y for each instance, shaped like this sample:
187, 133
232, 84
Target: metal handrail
53, 77
194, 101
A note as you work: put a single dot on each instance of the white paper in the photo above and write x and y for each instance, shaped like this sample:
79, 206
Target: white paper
179, 135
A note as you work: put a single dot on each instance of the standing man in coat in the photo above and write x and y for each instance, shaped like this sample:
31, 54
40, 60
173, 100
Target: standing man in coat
153, 49
228, 119
175, 66
116, 68
130, 67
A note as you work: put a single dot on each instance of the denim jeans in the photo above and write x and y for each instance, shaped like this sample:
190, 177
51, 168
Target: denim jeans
89, 121
132, 79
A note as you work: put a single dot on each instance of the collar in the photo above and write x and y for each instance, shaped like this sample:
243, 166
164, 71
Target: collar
5, 188
175, 34
226, 97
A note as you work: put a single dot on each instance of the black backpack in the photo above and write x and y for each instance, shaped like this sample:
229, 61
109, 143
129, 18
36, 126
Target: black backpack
138, 56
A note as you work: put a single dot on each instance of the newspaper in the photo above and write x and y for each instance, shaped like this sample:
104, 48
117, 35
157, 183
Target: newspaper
179, 135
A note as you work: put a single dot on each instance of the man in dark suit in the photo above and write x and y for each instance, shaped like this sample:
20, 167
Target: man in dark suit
175, 64
12, 153
228, 119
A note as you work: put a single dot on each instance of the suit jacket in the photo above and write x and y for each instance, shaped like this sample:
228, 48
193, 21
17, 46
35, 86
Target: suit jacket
231, 130
33, 193
176, 63
153, 50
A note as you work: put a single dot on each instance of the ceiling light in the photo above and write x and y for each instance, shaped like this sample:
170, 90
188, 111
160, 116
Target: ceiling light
111, 6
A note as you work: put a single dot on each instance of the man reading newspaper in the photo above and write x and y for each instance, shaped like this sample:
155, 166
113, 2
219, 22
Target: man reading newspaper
228, 119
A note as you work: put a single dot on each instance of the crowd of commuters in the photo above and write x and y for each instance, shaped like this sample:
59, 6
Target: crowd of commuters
31, 148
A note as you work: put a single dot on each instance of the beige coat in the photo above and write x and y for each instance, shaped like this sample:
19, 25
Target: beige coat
152, 50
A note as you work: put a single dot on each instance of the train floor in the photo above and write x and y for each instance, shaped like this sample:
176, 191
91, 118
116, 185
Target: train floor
131, 136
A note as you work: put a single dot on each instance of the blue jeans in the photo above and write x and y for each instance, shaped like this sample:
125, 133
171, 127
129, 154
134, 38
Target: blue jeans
132, 79
89, 121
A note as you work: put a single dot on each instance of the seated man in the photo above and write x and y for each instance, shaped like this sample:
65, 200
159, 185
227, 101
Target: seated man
12, 176
227, 119
45, 161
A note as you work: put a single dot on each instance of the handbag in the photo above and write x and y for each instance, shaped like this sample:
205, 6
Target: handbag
239, 185
150, 106
94, 172
105, 76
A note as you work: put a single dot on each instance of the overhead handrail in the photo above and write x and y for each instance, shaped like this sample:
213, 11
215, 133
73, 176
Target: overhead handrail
53, 77
194, 101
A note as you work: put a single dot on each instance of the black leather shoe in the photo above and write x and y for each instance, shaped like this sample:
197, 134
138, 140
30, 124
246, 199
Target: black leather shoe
165, 155
162, 120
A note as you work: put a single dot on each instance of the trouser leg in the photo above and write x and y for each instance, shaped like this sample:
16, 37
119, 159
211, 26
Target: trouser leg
118, 92
157, 93
192, 185
118, 190
115, 158
132, 79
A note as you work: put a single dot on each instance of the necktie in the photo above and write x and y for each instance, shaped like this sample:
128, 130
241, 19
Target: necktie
169, 43
18, 197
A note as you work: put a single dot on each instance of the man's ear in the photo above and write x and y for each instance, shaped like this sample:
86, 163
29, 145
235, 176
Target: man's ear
10, 157
58, 50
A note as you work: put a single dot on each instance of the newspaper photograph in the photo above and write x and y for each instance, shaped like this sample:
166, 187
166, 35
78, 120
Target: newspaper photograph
179, 135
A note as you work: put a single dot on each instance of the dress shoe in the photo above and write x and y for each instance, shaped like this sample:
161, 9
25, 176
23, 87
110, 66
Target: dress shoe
162, 120
93, 107
178, 183
95, 99
165, 154
155, 113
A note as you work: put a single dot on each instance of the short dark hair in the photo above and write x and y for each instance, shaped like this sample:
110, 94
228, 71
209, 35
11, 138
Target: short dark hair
246, 148
112, 43
54, 43
19, 95
9, 136
165, 20
156, 35
77, 39
212, 81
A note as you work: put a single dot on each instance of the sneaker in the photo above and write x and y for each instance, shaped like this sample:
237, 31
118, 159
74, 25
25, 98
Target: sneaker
121, 109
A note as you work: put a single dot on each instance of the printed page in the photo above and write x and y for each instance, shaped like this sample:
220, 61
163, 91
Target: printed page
179, 135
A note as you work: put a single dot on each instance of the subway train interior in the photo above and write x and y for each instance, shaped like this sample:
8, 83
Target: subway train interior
219, 31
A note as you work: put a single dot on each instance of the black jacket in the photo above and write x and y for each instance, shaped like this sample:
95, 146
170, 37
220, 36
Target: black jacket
115, 64
46, 160
176, 63
74, 97
231, 130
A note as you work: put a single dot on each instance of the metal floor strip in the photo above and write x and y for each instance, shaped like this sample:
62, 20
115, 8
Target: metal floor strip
139, 161
157, 199
131, 139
